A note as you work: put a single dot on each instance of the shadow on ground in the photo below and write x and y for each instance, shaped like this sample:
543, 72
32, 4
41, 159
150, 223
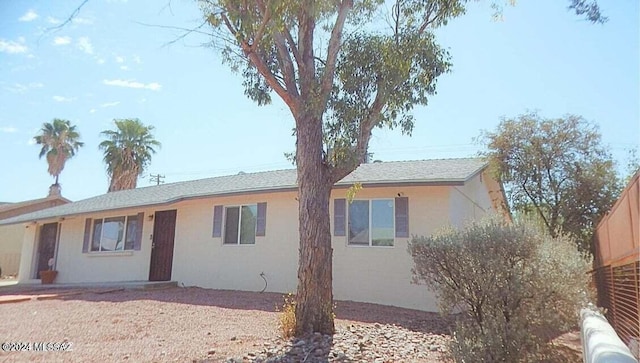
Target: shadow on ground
415, 320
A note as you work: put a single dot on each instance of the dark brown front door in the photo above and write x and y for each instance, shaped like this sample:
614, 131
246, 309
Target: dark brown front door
46, 246
164, 231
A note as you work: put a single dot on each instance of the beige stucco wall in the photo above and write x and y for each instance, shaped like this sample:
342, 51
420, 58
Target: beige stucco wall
202, 260
75, 266
11, 237
470, 201
383, 274
28, 253
368, 274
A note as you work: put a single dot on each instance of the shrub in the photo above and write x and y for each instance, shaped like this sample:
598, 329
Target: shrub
288, 316
515, 286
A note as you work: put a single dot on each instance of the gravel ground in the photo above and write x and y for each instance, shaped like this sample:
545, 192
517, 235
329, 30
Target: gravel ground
201, 325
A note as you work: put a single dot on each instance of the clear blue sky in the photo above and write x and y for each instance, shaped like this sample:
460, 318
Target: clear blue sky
107, 65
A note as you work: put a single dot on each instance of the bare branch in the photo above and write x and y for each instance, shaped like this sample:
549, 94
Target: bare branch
69, 19
186, 31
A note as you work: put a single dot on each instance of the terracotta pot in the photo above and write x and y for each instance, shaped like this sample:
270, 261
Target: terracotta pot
48, 276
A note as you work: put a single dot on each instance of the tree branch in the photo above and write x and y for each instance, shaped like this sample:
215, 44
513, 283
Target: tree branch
186, 31
306, 69
428, 21
288, 70
536, 205
262, 67
335, 42
265, 20
69, 19
292, 46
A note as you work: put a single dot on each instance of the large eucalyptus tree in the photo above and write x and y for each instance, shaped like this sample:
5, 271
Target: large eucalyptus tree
343, 67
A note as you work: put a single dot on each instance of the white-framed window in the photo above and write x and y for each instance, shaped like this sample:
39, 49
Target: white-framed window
371, 222
114, 233
240, 224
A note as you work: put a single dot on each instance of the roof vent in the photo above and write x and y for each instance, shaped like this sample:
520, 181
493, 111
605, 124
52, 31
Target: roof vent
241, 173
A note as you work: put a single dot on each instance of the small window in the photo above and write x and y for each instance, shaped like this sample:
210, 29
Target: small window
114, 234
371, 222
240, 225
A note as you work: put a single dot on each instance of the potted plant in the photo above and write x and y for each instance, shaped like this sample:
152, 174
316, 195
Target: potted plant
49, 275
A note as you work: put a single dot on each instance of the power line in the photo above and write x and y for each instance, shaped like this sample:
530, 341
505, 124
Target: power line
157, 178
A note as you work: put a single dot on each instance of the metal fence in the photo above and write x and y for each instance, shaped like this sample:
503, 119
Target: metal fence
619, 294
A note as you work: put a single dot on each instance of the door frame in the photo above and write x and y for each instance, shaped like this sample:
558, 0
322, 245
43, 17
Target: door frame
36, 250
153, 242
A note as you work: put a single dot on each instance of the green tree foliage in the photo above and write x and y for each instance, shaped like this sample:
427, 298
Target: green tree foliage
556, 169
127, 152
60, 142
343, 68
515, 286
633, 164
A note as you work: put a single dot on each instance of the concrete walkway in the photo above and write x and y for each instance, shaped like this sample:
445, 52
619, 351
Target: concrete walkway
14, 292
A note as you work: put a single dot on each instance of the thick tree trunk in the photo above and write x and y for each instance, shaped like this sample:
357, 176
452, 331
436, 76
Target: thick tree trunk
314, 298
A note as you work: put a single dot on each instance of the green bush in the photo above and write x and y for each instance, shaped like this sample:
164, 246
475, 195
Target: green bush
516, 288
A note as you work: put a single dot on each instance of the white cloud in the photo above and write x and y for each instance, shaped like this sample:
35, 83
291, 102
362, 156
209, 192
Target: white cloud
29, 16
17, 88
31, 141
154, 86
53, 21
119, 59
11, 47
124, 68
8, 129
85, 45
61, 40
137, 59
22, 88
110, 104
62, 99
79, 20
100, 61
93, 110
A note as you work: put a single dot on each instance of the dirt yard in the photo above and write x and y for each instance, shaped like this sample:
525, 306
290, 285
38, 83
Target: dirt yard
201, 325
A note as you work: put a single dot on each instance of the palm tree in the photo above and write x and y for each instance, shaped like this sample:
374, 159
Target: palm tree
59, 142
127, 152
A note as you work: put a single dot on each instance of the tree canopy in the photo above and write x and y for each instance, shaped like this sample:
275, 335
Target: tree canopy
557, 169
127, 152
343, 68
60, 141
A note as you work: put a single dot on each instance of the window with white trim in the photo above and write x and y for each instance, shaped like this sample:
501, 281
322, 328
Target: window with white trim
240, 224
114, 234
371, 222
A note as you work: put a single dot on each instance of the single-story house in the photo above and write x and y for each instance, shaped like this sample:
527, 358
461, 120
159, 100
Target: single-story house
11, 236
234, 232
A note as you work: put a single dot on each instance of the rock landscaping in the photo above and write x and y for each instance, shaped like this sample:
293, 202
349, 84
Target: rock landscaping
202, 326
354, 343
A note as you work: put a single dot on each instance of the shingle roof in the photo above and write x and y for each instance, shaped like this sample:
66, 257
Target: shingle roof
396, 172
10, 206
